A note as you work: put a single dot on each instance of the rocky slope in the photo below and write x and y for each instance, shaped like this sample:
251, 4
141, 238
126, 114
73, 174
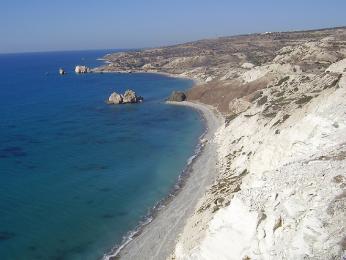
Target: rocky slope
281, 189
231, 67
280, 193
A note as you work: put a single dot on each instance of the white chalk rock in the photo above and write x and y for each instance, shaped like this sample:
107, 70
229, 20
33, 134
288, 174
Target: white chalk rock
81, 69
337, 67
115, 98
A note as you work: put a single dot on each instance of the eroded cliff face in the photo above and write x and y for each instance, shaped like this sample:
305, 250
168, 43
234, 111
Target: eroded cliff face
280, 193
281, 189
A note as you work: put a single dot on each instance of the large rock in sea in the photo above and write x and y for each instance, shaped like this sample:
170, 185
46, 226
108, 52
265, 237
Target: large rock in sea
81, 69
115, 98
129, 97
177, 96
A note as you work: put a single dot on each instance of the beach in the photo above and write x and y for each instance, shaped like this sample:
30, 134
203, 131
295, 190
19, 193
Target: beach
158, 239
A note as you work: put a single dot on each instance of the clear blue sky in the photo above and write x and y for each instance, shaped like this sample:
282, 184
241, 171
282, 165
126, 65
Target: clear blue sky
43, 25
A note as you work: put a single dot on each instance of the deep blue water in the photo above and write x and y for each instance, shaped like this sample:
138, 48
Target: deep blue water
76, 174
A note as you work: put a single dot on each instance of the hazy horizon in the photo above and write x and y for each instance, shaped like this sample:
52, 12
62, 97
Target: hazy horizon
41, 26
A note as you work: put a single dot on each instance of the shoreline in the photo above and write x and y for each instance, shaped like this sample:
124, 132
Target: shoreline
167, 218
167, 74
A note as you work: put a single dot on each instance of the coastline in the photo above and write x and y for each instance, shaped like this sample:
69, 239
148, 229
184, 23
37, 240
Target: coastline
156, 238
280, 155
196, 81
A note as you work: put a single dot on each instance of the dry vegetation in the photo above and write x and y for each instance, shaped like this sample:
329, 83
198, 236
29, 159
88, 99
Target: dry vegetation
236, 67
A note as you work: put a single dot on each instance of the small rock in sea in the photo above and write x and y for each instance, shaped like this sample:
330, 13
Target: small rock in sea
129, 97
247, 65
177, 96
81, 69
62, 71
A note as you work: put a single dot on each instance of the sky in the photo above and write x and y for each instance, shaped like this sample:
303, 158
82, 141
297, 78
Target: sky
46, 25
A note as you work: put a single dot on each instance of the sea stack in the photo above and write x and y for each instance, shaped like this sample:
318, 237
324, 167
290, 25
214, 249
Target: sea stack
81, 69
62, 71
129, 97
115, 99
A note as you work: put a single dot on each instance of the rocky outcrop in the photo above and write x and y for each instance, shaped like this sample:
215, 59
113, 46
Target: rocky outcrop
338, 67
82, 69
129, 97
62, 71
115, 99
177, 96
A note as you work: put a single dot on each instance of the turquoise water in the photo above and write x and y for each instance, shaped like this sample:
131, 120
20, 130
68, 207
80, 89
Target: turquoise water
76, 174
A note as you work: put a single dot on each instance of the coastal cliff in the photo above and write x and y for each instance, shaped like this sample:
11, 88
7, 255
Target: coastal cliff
279, 191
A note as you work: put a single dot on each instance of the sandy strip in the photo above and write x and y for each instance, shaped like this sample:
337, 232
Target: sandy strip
158, 239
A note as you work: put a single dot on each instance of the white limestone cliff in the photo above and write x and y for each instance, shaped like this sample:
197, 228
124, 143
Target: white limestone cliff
281, 191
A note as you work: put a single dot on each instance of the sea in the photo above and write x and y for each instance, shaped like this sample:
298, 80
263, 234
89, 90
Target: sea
78, 175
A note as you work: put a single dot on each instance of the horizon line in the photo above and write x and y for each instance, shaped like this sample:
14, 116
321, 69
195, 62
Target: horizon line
169, 45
